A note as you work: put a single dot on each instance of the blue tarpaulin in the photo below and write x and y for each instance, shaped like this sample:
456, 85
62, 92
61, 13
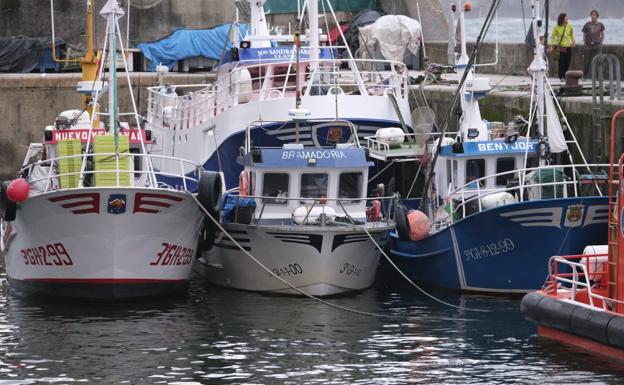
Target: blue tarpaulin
187, 43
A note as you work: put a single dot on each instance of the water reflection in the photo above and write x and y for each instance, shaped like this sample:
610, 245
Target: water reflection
217, 335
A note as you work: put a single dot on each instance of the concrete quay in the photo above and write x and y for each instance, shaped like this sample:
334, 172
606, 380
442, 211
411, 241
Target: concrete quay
511, 96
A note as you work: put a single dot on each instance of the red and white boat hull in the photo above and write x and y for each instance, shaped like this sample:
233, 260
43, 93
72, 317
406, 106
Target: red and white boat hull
102, 243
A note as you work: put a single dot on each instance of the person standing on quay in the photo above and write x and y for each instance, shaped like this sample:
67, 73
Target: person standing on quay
562, 40
593, 36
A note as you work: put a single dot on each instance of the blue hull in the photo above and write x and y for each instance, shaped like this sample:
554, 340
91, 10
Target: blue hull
505, 249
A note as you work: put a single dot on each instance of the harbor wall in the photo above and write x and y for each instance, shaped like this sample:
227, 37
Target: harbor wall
30, 102
503, 106
515, 58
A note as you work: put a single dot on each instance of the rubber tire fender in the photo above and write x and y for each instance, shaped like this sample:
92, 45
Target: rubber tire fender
207, 236
209, 192
8, 208
402, 224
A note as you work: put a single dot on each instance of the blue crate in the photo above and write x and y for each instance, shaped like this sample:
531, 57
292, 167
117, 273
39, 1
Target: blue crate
47, 62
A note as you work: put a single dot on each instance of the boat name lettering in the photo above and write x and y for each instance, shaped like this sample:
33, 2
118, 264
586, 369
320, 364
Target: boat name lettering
502, 146
173, 255
280, 53
349, 269
83, 135
501, 246
291, 269
316, 154
54, 254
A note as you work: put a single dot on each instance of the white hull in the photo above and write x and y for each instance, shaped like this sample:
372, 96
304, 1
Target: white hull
69, 243
320, 261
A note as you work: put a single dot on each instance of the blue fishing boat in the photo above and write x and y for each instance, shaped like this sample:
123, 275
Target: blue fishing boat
502, 200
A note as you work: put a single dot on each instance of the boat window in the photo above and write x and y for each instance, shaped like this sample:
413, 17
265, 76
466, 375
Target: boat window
275, 185
475, 169
350, 186
314, 185
504, 165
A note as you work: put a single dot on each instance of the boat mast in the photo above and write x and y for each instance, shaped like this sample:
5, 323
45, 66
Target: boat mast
313, 17
538, 70
112, 11
258, 25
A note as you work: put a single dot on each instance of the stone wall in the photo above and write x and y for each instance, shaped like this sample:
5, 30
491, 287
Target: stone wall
30, 102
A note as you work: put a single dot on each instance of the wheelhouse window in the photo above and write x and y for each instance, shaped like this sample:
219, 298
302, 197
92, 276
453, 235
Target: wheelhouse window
314, 186
350, 186
504, 165
275, 185
475, 169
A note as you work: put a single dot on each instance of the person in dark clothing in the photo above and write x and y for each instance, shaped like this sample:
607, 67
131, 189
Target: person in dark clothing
562, 39
593, 37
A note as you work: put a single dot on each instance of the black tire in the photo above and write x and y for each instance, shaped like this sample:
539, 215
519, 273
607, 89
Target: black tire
8, 208
209, 192
206, 236
402, 224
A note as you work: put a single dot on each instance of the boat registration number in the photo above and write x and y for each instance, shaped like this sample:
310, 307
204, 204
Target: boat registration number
54, 254
171, 254
501, 246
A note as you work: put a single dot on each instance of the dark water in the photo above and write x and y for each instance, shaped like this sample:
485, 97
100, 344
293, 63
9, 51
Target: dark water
223, 336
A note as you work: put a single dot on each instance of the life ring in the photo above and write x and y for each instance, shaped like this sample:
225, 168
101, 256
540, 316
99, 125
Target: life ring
8, 208
402, 224
209, 192
373, 213
243, 184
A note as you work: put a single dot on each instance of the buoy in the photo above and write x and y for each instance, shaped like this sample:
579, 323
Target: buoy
18, 190
467, 7
419, 225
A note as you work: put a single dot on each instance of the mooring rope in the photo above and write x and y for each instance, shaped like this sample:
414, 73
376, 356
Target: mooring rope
300, 291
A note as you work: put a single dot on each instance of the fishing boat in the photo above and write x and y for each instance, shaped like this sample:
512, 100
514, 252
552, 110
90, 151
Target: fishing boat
300, 222
499, 201
582, 302
263, 76
87, 217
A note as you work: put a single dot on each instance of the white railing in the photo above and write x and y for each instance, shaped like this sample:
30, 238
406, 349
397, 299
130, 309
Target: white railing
389, 205
579, 279
199, 104
470, 195
43, 176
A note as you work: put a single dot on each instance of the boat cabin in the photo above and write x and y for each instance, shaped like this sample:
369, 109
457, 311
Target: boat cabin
280, 180
482, 166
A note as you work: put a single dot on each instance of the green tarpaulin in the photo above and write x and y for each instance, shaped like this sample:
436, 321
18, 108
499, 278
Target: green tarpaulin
290, 6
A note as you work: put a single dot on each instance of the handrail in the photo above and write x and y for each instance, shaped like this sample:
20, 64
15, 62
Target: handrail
186, 175
468, 194
310, 203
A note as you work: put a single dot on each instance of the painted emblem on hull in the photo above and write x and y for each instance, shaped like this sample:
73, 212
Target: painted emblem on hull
574, 216
117, 204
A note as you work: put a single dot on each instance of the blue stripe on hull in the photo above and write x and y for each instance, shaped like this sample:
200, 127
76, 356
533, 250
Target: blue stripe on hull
507, 248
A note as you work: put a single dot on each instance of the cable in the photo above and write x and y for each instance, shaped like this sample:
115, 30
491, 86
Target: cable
300, 291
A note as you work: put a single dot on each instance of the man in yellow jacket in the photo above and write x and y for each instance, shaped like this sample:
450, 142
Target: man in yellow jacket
562, 39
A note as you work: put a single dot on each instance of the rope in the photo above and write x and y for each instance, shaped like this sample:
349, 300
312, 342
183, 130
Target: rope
300, 291
414, 284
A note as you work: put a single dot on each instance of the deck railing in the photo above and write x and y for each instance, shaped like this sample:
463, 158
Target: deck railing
44, 175
345, 206
583, 276
468, 199
187, 107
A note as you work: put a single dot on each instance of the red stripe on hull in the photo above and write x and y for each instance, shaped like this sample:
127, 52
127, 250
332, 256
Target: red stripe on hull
104, 281
581, 342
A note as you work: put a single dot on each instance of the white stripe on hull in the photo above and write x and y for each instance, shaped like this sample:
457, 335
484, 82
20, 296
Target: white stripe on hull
152, 238
323, 262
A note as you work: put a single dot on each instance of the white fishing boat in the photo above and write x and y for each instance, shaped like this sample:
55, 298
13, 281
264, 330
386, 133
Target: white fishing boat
301, 214
87, 217
270, 70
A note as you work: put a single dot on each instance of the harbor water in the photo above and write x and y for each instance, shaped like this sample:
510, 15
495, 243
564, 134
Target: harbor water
217, 335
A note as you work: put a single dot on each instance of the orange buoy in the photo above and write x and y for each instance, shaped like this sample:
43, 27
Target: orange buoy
467, 7
18, 190
419, 225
